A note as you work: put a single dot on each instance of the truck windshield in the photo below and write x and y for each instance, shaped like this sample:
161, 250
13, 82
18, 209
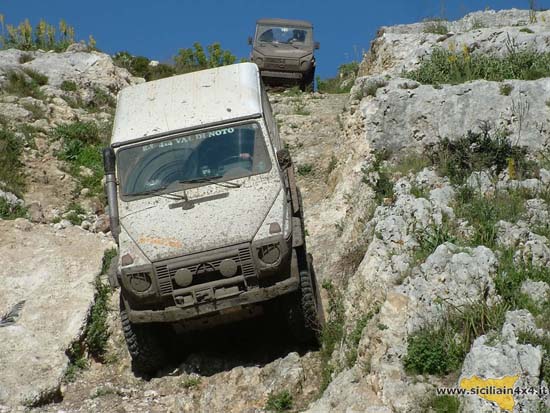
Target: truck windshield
215, 155
285, 35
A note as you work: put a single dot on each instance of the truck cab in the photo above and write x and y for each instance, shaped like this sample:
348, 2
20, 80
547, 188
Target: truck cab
284, 51
205, 210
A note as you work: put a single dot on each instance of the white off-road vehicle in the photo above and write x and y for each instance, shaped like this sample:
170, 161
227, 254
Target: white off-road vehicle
204, 206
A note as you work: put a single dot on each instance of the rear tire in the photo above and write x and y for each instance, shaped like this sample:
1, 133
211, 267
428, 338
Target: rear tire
145, 344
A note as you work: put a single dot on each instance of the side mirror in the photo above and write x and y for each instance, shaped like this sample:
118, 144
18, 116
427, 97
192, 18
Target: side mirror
317, 45
250, 40
284, 159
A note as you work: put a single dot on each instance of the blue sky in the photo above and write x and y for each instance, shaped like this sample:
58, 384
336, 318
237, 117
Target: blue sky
158, 29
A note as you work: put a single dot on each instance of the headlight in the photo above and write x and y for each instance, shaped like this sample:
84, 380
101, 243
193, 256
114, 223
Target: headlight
269, 254
139, 281
259, 61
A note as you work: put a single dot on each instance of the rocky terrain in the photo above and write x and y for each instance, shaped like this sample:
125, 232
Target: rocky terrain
427, 211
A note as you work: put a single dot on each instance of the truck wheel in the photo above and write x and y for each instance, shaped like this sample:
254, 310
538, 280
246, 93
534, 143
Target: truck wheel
144, 344
305, 320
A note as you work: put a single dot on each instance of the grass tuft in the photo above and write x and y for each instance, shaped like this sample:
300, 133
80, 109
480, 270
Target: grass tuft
279, 402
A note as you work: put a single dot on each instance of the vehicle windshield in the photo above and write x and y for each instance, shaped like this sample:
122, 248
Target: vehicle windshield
215, 155
284, 35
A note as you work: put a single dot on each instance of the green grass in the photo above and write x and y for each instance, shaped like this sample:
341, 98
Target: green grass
8, 211
74, 211
483, 211
529, 337
410, 163
342, 82
383, 187
77, 361
441, 349
279, 402
444, 404
191, 383
332, 334
354, 337
36, 110
444, 66
305, 169
68, 86
97, 333
101, 100
436, 27
506, 89
22, 85
458, 158
430, 238
81, 146
12, 177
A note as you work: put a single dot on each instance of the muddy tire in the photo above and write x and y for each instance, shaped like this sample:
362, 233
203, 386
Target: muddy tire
144, 343
304, 310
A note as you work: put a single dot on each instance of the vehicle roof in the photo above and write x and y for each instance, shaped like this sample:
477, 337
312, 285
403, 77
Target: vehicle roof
285, 22
187, 101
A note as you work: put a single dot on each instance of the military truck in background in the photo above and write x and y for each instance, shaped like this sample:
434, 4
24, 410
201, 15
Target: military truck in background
284, 51
205, 210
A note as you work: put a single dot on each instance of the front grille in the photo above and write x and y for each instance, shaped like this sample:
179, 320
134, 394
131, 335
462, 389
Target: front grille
205, 270
279, 63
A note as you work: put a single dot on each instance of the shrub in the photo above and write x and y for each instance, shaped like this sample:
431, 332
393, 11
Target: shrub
36, 110
140, 66
44, 36
21, 84
441, 349
430, 238
383, 187
196, 58
436, 27
332, 334
81, 146
12, 178
342, 82
68, 86
97, 332
445, 66
305, 169
506, 89
279, 402
444, 404
458, 158
9, 211
484, 211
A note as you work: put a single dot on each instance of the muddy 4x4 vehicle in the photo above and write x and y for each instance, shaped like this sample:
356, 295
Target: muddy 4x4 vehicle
283, 50
204, 206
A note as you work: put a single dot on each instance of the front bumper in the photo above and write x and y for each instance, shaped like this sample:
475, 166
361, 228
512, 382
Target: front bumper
175, 313
282, 75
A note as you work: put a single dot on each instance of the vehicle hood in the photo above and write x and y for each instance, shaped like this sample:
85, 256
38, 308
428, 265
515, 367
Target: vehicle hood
283, 50
162, 229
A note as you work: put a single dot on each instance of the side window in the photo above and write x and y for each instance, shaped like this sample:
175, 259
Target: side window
270, 121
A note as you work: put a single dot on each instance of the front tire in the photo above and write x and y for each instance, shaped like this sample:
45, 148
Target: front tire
145, 344
305, 311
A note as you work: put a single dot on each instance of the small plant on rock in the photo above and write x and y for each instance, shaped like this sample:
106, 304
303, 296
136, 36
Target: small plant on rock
279, 402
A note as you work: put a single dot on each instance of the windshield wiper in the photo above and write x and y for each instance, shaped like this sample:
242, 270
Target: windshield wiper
148, 192
211, 180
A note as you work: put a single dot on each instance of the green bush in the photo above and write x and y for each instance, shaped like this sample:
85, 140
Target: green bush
68, 86
332, 334
430, 238
279, 402
458, 158
441, 349
97, 332
12, 178
82, 143
140, 66
305, 169
444, 66
445, 404
22, 84
342, 82
436, 27
196, 58
8, 211
483, 211
383, 188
